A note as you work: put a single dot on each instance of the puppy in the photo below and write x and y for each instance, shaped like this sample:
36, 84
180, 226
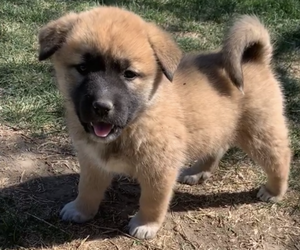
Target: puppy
125, 116
114, 71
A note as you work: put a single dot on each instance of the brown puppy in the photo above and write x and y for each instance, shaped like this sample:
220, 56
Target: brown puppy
125, 116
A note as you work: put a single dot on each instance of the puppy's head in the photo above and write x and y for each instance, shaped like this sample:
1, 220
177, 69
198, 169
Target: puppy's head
108, 63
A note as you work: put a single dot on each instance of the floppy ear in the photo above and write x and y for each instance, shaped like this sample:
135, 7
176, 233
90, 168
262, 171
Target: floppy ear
166, 50
53, 35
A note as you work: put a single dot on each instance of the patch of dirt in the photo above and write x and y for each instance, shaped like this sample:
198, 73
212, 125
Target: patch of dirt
39, 175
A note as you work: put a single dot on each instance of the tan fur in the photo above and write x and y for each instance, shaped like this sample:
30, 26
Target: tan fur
247, 40
220, 116
197, 116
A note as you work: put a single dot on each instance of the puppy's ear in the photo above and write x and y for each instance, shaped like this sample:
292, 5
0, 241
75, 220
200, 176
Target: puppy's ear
166, 50
53, 35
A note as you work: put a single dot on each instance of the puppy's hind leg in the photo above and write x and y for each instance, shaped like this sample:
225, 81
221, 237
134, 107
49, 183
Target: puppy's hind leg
269, 147
202, 169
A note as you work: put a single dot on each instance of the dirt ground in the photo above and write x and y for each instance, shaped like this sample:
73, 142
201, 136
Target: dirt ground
39, 175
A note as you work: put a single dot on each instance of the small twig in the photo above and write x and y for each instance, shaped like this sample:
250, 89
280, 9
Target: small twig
116, 230
128, 236
29, 138
58, 152
22, 175
114, 244
13, 128
186, 238
105, 228
83, 241
294, 227
46, 222
48, 156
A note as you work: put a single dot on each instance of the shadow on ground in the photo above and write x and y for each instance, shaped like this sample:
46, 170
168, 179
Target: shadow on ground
288, 47
32, 209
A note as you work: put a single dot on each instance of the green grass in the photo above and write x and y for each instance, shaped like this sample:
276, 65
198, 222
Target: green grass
29, 99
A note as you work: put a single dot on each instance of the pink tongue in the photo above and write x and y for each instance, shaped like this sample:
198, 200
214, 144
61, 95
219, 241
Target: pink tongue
102, 129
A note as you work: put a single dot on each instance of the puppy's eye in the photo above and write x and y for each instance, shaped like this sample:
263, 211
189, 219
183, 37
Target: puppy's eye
82, 68
130, 75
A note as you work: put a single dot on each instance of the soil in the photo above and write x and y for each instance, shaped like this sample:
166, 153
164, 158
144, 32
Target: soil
38, 175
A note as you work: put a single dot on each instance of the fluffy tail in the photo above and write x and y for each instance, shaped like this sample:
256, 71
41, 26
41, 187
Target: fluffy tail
247, 40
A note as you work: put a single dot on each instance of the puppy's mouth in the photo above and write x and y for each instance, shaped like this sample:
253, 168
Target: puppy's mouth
102, 129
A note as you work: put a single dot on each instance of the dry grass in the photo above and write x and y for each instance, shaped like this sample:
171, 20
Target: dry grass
40, 175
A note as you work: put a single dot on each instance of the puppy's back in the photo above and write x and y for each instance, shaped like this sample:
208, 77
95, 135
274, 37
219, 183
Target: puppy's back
210, 84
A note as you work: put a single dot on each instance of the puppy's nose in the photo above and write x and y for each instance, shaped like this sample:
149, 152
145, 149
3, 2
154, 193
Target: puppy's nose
103, 107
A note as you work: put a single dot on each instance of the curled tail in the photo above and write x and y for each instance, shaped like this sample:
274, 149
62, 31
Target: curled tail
247, 40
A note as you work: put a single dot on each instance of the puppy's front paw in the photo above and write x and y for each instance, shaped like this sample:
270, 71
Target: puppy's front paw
142, 231
192, 179
71, 212
265, 195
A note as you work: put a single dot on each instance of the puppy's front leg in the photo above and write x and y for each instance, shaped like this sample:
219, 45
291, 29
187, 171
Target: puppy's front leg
156, 193
92, 185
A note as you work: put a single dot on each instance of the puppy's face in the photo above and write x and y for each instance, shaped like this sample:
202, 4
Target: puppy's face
108, 63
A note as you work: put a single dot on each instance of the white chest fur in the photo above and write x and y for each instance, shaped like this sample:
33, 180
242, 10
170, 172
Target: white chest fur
113, 164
